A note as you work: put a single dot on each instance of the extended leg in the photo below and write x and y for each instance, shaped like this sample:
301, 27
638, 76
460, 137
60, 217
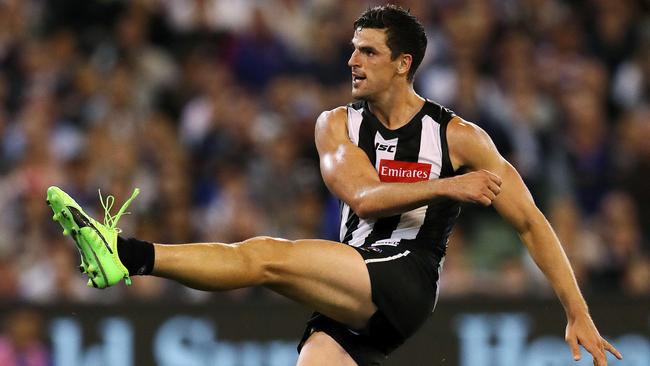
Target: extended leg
327, 276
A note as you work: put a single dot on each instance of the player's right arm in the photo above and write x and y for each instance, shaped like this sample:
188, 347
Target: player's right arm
350, 176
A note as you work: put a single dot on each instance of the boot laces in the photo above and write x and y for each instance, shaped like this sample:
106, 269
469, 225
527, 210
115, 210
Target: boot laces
112, 220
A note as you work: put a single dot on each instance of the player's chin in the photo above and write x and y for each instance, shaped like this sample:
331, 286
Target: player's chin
358, 94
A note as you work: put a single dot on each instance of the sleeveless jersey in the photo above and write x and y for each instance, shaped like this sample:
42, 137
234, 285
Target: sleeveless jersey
414, 152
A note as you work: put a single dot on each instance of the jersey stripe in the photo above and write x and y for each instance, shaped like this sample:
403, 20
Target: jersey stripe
345, 222
430, 145
354, 123
441, 214
349, 220
438, 220
389, 146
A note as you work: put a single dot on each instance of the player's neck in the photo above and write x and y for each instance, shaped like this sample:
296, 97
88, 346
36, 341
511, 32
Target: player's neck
396, 106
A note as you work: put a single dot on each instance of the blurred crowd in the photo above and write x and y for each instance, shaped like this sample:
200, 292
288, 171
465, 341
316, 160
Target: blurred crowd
208, 106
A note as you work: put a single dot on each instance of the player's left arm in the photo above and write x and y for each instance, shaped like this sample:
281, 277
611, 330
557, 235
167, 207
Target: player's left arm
470, 148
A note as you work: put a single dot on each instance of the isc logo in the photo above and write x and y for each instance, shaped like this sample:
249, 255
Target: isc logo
382, 147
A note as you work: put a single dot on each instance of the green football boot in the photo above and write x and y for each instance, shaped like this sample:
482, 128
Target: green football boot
96, 242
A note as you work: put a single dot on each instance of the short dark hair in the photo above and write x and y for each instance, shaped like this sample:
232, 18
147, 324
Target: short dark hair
404, 33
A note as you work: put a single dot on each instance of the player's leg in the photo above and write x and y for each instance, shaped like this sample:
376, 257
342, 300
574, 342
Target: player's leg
321, 350
327, 276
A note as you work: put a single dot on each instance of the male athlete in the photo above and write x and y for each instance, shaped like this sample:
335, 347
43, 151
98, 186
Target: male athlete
401, 166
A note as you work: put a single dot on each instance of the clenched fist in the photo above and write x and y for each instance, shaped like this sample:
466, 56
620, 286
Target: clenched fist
477, 187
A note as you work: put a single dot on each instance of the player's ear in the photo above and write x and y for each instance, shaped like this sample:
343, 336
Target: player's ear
404, 65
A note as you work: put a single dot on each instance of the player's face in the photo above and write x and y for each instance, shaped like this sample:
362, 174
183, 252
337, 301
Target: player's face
371, 64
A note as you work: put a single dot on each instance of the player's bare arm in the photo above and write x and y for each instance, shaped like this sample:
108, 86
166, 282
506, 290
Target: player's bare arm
472, 149
350, 176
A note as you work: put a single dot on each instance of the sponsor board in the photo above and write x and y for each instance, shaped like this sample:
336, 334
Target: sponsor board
225, 333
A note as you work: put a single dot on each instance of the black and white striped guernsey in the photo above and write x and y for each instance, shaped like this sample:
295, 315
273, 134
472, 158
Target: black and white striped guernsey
414, 152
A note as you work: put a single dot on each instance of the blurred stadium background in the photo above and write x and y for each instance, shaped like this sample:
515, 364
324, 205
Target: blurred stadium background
209, 107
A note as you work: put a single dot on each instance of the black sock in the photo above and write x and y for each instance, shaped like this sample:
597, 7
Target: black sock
136, 255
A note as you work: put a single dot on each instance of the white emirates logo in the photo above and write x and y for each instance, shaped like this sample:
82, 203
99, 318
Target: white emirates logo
402, 171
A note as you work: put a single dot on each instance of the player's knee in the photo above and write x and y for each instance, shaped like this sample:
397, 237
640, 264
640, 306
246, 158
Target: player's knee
321, 349
265, 256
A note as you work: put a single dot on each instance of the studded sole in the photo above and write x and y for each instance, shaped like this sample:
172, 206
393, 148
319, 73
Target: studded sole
90, 265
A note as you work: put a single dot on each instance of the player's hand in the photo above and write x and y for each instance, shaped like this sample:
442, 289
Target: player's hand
480, 187
582, 331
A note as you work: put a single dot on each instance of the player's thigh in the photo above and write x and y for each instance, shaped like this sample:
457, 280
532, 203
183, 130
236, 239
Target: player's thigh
328, 276
321, 350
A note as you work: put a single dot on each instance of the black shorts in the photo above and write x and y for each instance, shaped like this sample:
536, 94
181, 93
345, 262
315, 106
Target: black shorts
403, 280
